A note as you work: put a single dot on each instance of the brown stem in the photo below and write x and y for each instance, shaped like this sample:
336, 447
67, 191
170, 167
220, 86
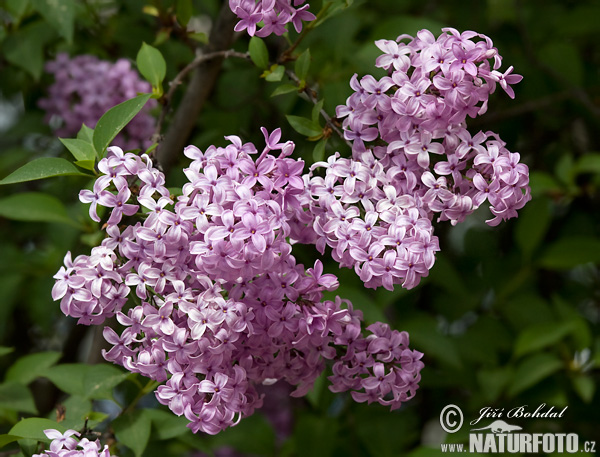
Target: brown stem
173, 85
198, 91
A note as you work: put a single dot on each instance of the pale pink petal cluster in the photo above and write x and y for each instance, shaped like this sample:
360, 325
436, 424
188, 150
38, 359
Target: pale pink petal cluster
218, 303
413, 160
64, 445
265, 17
85, 87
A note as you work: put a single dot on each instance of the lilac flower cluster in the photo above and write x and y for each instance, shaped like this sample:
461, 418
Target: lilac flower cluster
218, 304
274, 15
413, 158
64, 445
85, 87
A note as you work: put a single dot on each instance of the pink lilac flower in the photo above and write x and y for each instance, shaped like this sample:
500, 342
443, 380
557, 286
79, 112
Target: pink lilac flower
63, 445
85, 87
414, 163
219, 305
273, 14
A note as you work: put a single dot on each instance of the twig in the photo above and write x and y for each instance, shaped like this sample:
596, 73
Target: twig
178, 80
329, 121
198, 91
149, 387
285, 55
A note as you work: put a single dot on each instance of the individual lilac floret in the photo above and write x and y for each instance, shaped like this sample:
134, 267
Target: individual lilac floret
63, 445
218, 303
413, 159
273, 14
85, 87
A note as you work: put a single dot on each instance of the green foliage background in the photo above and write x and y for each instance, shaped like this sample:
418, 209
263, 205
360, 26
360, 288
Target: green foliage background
509, 316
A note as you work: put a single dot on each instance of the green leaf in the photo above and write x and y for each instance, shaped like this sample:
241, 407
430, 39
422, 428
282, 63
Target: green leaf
304, 126
86, 134
200, 37
588, 163
330, 9
133, 430
60, 14
114, 120
17, 397
569, 252
68, 377
585, 387
184, 10
319, 150
25, 47
33, 428
35, 207
17, 8
532, 225
152, 65
582, 333
541, 335
302, 65
276, 73
284, 89
76, 410
255, 426
316, 111
166, 425
7, 439
29, 367
82, 150
426, 337
533, 370
86, 164
543, 183
99, 381
87, 381
316, 393
565, 169
259, 53
200, 442
493, 381
28, 446
44, 167
4, 350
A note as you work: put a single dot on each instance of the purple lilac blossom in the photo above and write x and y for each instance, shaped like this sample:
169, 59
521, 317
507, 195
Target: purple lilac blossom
218, 305
413, 159
273, 14
63, 445
85, 87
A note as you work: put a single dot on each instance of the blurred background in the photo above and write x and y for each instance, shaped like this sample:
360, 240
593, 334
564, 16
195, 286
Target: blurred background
509, 316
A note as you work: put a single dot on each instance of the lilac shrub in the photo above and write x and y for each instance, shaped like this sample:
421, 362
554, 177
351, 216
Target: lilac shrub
218, 304
271, 15
413, 159
85, 87
211, 300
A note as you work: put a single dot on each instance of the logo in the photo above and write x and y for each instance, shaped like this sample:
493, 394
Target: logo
448, 418
499, 427
500, 436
